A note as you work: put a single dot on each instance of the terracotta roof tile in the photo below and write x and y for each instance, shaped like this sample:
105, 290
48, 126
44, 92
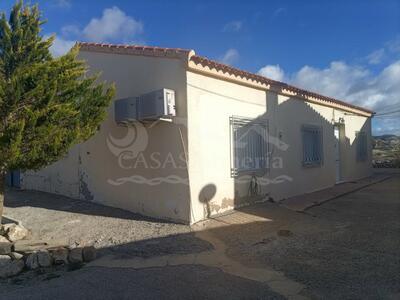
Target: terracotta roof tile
237, 72
205, 62
134, 49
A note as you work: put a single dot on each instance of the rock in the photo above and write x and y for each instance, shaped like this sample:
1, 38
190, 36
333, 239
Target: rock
29, 246
3, 239
16, 255
9, 267
32, 261
75, 255
44, 258
60, 255
5, 246
89, 253
16, 232
4, 259
2, 230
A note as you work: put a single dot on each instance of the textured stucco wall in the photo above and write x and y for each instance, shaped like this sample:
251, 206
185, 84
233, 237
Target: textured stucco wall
94, 172
211, 102
159, 148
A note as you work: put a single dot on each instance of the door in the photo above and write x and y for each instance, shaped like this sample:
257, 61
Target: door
337, 152
16, 178
13, 179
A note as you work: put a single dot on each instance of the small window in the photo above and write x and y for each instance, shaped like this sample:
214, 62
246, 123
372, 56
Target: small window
249, 139
361, 145
312, 145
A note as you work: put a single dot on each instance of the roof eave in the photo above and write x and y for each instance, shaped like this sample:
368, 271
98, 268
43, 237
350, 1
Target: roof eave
216, 69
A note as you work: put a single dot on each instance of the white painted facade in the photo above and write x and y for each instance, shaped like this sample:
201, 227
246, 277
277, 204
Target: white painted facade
181, 170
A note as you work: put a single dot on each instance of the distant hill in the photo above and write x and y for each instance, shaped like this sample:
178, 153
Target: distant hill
386, 151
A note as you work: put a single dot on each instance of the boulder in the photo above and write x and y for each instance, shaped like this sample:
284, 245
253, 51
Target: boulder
29, 246
16, 255
16, 232
9, 267
4, 259
44, 258
2, 230
3, 239
75, 255
89, 253
5, 245
32, 261
60, 255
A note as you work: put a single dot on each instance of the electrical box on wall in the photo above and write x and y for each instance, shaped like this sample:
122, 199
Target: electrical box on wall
125, 110
156, 105
150, 106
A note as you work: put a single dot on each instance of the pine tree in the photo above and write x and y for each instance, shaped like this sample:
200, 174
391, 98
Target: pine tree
47, 104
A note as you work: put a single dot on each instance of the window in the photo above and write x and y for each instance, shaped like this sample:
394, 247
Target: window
312, 145
249, 139
361, 145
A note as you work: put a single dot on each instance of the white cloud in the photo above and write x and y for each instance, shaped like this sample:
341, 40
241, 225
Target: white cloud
354, 84
357, 85
61, 46
233, 26
376, 57
273, 72
70, 30
62, 3
338, 80
230, 57
394, 45
386, 125
114, 25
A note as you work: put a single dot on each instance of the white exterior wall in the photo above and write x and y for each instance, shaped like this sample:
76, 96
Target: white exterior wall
202, 128
89, 167
60, 178
212, 101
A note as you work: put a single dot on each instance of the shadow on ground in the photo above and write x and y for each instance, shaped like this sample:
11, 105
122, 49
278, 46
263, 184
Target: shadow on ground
345, 249
17, 198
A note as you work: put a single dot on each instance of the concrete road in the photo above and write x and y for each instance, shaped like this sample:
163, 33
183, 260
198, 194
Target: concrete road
347, 248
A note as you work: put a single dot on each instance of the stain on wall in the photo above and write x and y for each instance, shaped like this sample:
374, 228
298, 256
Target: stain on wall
84, 189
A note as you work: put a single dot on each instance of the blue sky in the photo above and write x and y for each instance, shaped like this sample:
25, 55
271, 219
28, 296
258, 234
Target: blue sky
345, 49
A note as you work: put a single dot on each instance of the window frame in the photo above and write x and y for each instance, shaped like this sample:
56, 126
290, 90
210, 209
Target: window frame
236, 122
319, 130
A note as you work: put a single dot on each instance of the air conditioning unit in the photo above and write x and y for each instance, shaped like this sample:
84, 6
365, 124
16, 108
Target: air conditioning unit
125, 110
156, 105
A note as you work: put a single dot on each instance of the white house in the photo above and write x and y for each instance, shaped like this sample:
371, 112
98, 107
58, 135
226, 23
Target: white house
224, 139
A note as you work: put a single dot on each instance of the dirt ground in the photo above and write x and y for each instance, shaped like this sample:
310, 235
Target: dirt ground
347, 248
53, 217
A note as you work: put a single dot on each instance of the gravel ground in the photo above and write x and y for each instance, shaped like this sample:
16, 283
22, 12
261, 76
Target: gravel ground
53, 217
347, 248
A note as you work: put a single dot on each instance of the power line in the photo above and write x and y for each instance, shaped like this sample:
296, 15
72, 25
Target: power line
388, 113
